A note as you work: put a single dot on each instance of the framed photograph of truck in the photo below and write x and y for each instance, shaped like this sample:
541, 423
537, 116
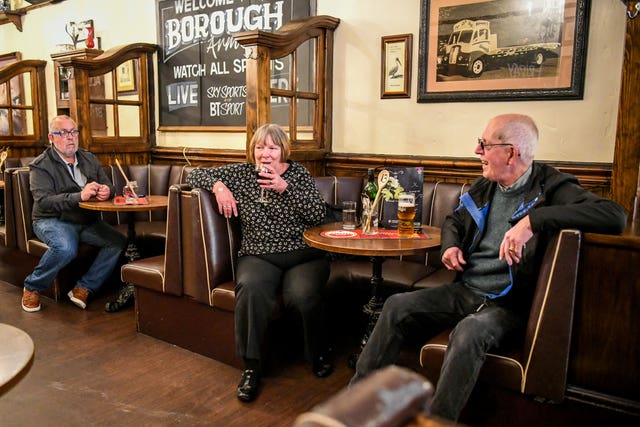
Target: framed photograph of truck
502, 50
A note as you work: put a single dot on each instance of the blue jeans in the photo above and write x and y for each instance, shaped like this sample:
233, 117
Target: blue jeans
425, 312
63, 239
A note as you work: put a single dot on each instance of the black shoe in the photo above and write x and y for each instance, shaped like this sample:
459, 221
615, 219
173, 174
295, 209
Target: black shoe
322, 366
248, 386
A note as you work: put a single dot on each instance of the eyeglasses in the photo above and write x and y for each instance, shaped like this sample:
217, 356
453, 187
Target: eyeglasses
64, 133
483, 144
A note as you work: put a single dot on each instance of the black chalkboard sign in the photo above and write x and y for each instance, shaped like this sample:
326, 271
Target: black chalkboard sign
201, 68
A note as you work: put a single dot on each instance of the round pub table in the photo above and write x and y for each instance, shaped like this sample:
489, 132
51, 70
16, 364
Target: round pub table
125, 297
16, 355
328, 237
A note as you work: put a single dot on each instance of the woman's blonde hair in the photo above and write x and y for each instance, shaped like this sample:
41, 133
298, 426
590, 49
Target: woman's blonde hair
278, 136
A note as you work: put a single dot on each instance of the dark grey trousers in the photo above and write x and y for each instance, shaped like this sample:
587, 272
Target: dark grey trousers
427, 311
300, 277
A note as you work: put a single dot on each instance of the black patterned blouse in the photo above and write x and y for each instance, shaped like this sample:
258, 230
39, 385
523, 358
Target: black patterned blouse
273, 227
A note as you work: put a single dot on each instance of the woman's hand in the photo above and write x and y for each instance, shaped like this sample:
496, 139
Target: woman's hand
227, 204
271, 179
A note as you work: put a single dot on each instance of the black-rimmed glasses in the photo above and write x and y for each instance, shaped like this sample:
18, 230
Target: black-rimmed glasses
483, 144
64, 133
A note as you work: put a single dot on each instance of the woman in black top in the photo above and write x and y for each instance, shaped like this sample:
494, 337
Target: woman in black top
273, 259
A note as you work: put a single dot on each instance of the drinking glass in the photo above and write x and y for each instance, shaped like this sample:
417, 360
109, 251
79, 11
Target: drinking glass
263, 198
130, 192
349, 215
370, 221
406, 214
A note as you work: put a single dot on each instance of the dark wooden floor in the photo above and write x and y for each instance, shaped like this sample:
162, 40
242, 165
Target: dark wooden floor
92, 368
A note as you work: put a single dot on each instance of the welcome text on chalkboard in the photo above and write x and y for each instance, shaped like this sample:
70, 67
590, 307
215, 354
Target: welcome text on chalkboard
201, 68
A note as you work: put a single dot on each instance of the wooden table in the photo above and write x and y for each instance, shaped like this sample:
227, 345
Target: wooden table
376, 249
132, 253
16, 355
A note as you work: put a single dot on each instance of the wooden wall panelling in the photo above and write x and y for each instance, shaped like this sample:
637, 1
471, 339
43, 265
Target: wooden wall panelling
626, 159
594, 176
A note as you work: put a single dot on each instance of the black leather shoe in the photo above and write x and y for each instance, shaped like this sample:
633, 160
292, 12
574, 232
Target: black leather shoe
322, 366
248, 386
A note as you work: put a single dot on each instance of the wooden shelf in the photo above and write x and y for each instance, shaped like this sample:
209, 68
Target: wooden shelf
15, 16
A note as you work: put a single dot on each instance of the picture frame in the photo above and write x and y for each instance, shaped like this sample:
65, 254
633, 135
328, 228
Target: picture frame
395, 73
502, 50
126, 78
83, 32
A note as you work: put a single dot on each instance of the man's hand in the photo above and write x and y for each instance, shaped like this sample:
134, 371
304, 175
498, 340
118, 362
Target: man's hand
453, 259
103, 192
90, 190
514, 241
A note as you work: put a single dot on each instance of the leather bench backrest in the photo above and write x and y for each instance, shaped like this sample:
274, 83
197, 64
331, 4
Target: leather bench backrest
210, 245
22, 206
16, 162
9, 209
152, 179
162, 273
548, 336
439, 199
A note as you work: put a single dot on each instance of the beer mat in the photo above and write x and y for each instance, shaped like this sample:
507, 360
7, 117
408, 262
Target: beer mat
357, 234
120, 200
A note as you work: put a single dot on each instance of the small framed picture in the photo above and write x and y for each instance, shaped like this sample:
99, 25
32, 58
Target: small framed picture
126, 78
83, 29
396, 66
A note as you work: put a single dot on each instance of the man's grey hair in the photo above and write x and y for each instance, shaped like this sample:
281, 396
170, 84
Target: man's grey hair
521, 131
53, 124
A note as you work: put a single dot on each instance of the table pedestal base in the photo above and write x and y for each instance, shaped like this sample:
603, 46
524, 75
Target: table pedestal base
372, 308
124, 299
125, 296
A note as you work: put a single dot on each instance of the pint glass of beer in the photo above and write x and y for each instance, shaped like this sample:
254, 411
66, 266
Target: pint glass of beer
406, 214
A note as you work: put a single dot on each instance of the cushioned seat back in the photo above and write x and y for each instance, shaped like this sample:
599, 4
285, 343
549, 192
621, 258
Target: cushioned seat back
162, 273
548, 337
22, 206
439, 199
335, 190
16, 162
152, 179
9, 208
210, 244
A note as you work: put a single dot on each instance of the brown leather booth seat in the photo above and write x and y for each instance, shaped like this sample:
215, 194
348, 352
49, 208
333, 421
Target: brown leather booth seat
23, 249
538, 364
392, 396
194, 309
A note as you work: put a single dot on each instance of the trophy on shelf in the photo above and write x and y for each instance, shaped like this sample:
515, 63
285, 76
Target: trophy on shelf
72, 29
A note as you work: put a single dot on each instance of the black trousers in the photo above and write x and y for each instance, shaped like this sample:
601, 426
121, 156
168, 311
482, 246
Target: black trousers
299, 276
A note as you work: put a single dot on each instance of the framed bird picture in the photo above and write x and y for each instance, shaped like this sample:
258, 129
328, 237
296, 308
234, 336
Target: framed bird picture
395, 77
